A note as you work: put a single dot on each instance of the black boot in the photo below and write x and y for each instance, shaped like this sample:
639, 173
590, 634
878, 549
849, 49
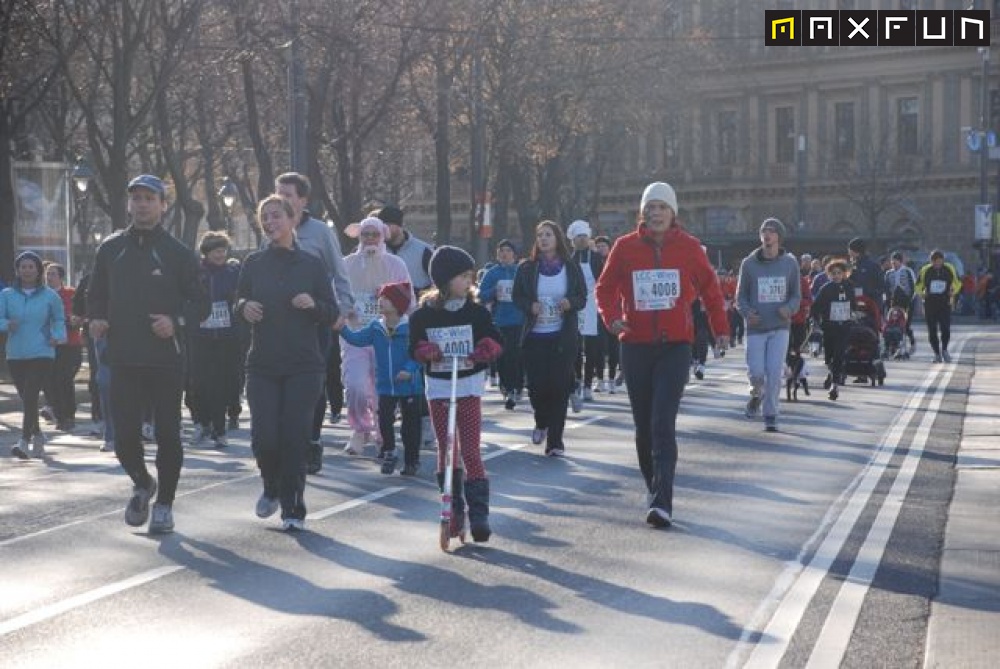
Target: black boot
478, 494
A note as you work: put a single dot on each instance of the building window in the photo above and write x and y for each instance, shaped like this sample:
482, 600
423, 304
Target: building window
784, 135
726, 137
907, 117
843, 131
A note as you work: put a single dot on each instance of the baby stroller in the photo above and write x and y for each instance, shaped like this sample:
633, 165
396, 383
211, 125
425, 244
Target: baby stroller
894, 335
863, 356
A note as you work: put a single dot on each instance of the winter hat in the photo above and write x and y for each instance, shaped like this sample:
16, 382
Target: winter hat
447, 263
399, 294
775, 225
857, 245
390, 214
149, 182
577, 228
509, 244
659, 191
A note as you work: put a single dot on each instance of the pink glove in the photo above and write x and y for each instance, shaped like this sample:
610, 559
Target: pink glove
427, 351
487, 350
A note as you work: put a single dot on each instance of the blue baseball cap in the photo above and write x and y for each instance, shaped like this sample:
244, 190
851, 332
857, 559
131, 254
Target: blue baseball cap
149, 182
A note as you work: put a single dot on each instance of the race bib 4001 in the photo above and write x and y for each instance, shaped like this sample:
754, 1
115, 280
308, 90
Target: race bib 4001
656, 289
454, 342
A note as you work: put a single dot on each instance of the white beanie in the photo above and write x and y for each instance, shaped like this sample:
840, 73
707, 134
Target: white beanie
659, 191
577, 228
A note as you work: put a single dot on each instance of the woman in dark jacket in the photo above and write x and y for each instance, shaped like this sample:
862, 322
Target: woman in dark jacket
285, 295
550, 289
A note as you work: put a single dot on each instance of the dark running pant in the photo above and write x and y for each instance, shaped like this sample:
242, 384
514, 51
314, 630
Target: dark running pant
60, 386
510, 365
214, 374
614, 351
334, 384
135, 391
835, 337
549, 369
29, 375
319, 408
409, 431
938, 318
590, 360
281, 414
656, 375
702, 334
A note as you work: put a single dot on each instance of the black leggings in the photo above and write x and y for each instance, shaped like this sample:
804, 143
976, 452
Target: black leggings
938, 318
590, 360
409, 409
134, 392
510, 366
29, 376
60, 386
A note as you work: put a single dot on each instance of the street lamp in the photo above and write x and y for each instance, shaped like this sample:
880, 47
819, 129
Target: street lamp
81, 177
228, 194
82, 174
800, 170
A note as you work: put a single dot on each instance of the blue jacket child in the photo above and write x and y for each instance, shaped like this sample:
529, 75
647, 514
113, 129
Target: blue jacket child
389, 335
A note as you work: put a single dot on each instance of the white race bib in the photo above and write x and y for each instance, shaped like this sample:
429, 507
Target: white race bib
454, 342
656, 289
771, 289
505, 290
550, 313
366, 307
938, 287
840, 311
219, 318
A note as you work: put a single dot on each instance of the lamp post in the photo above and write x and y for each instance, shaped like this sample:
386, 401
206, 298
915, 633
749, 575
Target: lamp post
800, 184
81, 177
227, 195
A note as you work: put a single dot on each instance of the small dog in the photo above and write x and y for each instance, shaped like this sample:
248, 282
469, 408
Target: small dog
795, 379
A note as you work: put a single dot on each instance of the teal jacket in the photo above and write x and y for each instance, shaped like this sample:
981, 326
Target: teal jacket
40, 318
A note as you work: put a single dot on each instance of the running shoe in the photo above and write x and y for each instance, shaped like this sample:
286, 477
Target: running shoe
946, 355
162, 521
538, 435
293, 524
657, 517
38, 446
137, 510
267, 506
21, 450
753, 406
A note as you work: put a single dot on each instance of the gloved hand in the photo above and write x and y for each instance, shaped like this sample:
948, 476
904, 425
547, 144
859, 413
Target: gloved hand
487, 350
427, 351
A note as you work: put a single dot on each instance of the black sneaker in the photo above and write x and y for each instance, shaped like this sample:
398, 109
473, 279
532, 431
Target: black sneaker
657, 517
510, 403
410, 469
388, 462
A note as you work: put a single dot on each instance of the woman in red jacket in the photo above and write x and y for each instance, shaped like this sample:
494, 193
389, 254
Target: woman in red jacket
644, 295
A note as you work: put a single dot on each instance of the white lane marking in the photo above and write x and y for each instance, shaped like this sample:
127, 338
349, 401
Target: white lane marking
796, 586
354, 503
503, 450
588, 421
83, 599
831, 645
81, 521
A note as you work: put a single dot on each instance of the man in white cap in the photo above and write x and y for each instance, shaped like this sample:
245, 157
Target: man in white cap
590, 360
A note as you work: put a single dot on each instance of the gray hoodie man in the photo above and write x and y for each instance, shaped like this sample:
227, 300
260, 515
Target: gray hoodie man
768, 286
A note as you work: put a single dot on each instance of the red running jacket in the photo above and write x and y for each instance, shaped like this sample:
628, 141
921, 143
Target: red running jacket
662, 312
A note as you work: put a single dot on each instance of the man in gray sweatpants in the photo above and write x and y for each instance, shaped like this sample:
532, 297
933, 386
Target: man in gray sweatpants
767, 295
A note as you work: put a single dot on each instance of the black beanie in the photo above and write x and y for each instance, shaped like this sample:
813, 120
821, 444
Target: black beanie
447, 262
857, 245
390, 215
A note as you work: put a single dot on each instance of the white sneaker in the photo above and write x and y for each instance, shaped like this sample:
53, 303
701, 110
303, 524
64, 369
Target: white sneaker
38, 446
576, 402
355, 444
293, 524
609, 385
199, 435
267, 506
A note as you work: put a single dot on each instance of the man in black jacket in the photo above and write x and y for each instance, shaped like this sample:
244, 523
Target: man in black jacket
143, 280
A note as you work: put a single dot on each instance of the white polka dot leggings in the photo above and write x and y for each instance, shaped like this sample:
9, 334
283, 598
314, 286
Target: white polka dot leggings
468, 430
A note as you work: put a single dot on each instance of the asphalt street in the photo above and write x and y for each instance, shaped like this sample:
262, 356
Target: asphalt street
816, 546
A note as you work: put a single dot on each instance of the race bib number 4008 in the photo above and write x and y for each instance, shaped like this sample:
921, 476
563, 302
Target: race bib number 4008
656, 289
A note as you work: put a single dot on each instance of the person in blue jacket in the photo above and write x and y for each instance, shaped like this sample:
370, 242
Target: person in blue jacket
32, 315
398, 377
495, 292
